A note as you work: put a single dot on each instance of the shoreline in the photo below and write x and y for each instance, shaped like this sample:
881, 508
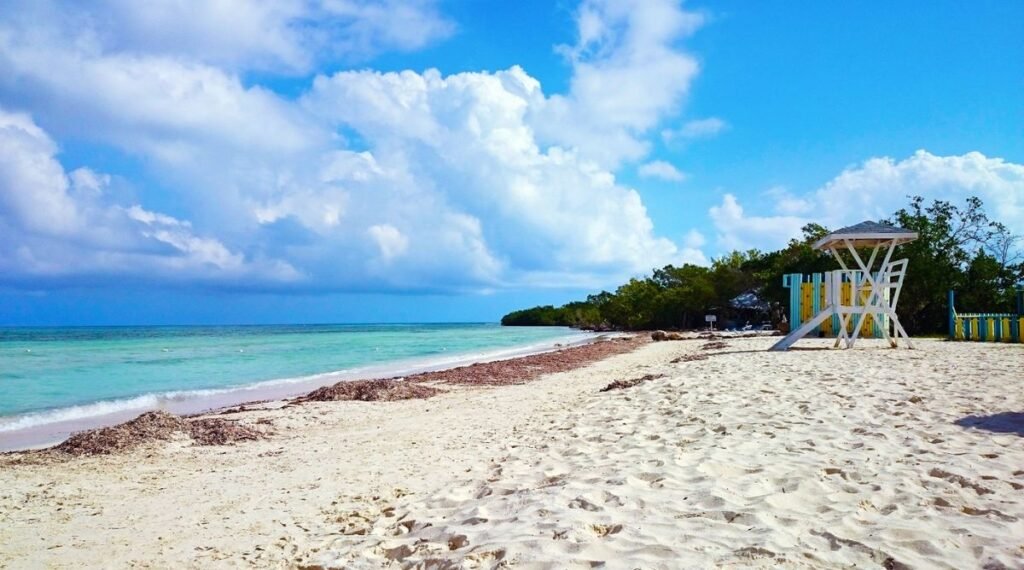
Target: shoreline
46, 434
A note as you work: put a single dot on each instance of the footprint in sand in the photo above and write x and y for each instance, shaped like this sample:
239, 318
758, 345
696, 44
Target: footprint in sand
985, 512
457, 541
959, 480
398, 553
487, 556
754, 552
653, 479
940, 502
581, 503
612, 499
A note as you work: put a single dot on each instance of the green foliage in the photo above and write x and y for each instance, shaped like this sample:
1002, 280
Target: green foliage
959, 248
546, 316
951, 253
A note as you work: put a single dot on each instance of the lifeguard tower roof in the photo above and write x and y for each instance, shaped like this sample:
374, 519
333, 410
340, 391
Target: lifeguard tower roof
866, 234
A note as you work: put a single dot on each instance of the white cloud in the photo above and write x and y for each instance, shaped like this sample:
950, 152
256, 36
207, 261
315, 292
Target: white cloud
33, 183
628, 75
874, 190
661, 169
737, 230
694, 239
692, 250
699, 128
267, 35
463, 140
163, 106
786, 203
390, 240
55, 225
369, 26
404, 180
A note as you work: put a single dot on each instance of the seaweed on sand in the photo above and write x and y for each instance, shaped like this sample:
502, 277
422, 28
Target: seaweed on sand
218, 431
528, 368
385, 390
688, 358
150, 426
623, 384
155, 426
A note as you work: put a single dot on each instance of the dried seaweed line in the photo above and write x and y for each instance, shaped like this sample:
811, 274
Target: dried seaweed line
623, 384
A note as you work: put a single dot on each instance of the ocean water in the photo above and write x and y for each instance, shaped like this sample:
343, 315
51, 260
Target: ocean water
52, 375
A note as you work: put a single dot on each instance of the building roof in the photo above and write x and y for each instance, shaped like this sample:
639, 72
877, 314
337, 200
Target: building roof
866, 233
749, 301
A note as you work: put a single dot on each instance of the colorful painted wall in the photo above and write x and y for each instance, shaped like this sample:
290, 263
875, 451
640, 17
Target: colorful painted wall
807, 298
987, 327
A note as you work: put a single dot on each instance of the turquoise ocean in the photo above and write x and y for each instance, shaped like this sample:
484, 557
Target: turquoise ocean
73, 375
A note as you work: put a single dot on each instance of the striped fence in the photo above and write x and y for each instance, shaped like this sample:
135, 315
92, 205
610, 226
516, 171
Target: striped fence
987, 327
807, 297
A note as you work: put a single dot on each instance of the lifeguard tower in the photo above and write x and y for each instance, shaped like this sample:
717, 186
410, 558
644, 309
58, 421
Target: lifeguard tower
873, 293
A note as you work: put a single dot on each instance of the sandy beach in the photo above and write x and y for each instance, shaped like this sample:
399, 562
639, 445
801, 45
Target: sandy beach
696, 456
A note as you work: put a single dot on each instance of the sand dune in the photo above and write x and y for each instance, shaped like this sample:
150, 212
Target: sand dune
869, 458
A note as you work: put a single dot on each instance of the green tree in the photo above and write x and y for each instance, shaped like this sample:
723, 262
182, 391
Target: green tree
958, 248
635, 304
938, 258
686, 293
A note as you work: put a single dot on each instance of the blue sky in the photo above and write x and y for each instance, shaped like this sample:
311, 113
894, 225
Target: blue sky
251, 162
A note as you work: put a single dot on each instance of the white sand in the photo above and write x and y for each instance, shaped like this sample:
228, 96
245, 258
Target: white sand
806, 459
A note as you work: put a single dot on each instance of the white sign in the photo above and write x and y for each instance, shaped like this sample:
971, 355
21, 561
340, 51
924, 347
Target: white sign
710, 318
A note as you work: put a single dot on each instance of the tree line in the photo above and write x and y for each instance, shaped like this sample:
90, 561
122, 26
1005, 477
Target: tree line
959, 247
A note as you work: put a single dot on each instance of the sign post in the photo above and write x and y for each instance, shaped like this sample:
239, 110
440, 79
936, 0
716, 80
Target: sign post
710, 319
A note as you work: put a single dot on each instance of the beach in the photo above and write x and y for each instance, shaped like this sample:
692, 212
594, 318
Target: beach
669, 454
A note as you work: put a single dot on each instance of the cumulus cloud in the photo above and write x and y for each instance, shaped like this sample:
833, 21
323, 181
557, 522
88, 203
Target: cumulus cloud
366, 180
738, 230
464, 140
628, 75
692, 250
694, 239
390, 240
662, 170
784, 202
35, 189
698, 128
163, 106
265, 35
874, 190
54, 224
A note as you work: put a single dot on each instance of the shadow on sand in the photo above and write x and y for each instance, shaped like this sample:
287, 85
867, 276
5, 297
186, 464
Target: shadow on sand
710, 352
1005, 422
